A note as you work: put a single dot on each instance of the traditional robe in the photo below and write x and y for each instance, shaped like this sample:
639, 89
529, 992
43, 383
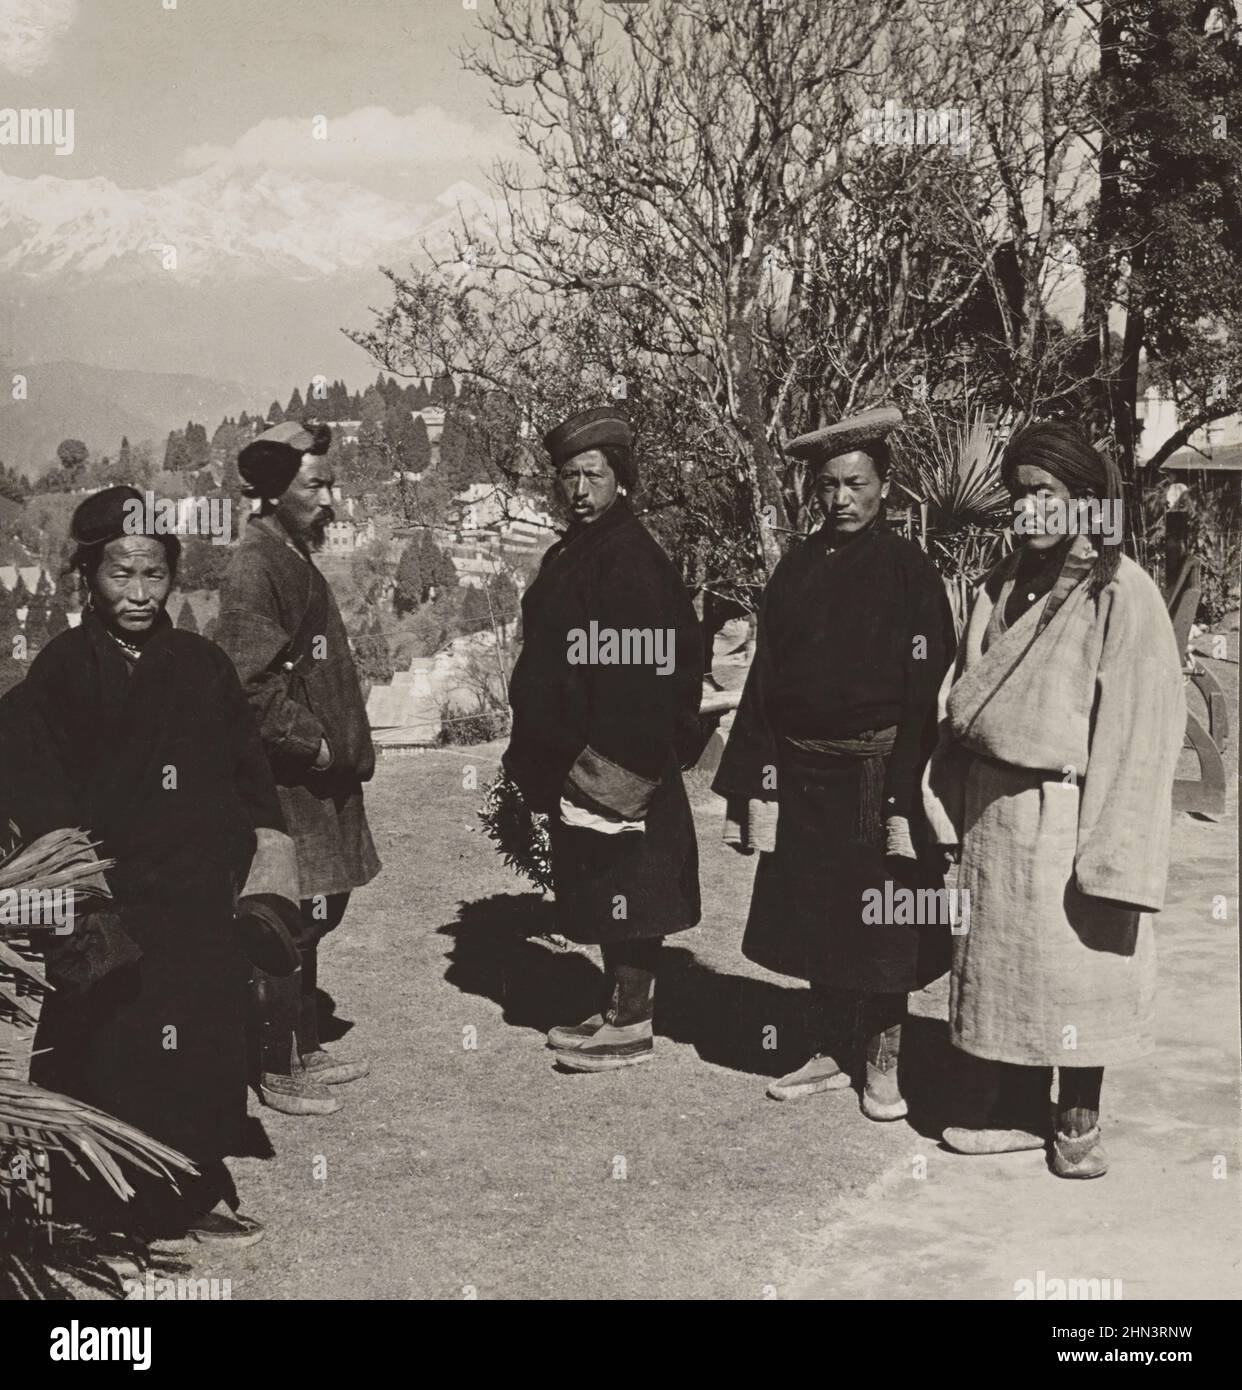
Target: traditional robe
1059, 741
163, 765
852, 639
610, 735
276, 612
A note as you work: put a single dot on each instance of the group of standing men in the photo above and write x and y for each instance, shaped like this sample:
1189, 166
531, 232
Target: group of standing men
869, 750
224, 783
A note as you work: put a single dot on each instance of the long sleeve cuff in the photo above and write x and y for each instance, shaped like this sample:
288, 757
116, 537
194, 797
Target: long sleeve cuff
597, 780
274, 868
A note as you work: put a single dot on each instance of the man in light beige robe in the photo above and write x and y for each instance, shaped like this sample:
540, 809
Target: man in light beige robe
1059, 738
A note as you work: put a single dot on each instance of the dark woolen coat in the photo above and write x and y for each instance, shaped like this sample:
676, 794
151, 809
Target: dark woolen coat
277, 608
851, 639
163, 765
610, 738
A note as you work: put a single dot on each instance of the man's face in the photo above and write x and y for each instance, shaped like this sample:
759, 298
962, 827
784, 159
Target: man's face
305, 507
849, 491
1038, 493
131, 585
587, 485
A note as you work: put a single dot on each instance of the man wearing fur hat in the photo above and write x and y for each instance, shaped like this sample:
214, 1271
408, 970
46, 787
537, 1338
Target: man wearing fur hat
605, 702
280, 623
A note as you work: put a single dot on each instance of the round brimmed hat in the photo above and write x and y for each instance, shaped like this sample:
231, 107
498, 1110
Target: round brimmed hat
604, 426
101, 517
854, 432
270, 463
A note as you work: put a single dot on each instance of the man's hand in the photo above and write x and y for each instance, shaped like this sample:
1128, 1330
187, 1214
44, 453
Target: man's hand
323, 759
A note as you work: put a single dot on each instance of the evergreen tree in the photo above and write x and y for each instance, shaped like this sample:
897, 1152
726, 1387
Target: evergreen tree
475, 611
422, 397
371, 652
399, 433
443, 391
295, 409
243, 421
124, 460
275, 415
198, 450
409, 591
176, 453
374, 459
355, 406
338, 402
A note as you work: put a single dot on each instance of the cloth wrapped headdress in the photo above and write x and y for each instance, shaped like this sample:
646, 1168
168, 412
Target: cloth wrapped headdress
601, 428
1061, 448
270, 463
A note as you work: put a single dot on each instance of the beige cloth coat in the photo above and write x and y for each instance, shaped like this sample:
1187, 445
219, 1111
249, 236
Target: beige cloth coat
1058, 743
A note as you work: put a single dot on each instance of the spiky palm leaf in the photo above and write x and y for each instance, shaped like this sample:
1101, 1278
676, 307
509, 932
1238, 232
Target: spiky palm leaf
951, 470
34, 1119
36, 1123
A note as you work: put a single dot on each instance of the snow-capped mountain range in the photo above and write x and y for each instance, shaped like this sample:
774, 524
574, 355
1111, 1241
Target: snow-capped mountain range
270, 269
218, 222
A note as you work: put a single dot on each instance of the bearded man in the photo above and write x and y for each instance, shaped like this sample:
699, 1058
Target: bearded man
280, 623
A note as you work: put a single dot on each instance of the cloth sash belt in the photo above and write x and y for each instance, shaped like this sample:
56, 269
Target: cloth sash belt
870, 748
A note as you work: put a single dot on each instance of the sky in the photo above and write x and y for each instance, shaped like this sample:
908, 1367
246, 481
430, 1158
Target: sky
157, 90
194, 125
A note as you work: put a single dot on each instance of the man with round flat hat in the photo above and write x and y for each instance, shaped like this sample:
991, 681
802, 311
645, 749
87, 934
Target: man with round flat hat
605, 699
822, 767
280, 623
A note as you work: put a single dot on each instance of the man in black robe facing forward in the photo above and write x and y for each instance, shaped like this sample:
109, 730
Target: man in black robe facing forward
821, 771
605, 700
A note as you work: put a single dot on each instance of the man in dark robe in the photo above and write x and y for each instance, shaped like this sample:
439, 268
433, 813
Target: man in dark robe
605, 699
821, 770
280, 623
139, 733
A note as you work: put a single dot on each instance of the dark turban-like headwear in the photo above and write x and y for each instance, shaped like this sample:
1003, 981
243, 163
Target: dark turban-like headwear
270, 463
107, 516
603, 428
1061, 448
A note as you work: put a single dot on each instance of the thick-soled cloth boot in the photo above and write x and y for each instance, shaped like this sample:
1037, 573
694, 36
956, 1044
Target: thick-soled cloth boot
1079, 1155
991, 1141
1077, 1151
822, 1073
881, 1096
834, 1023
570, 1035
1015, 1120
295, 1091
626, 1036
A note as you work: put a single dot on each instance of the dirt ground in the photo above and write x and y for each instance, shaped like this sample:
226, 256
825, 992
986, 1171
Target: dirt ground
467, 1166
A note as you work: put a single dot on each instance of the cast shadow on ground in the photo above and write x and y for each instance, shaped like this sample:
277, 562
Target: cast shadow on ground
736, 1021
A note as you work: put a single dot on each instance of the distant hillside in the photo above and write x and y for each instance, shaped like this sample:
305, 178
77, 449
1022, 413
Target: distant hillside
69, 400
